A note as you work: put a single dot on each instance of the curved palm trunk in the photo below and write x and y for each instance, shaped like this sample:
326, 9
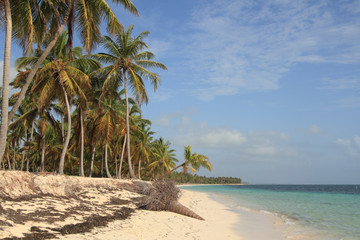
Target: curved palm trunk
121, 158
66, 143
31, 75
82, 144
92, 161
6, 79
131, 171
106, 162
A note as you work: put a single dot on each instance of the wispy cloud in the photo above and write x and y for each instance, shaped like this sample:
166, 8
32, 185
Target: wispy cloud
350, 146
344, 83
248, 45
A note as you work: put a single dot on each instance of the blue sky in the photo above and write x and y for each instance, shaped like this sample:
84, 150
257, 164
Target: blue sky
268, 90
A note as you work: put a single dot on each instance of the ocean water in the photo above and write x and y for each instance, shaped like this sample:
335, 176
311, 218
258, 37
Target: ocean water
319, 212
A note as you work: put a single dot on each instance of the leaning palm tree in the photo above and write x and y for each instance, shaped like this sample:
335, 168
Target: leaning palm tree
193, 161
128, 62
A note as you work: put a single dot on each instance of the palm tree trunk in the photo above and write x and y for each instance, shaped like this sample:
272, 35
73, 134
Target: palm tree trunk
43, 153
92, 161
172, 170
106, 162
28, 153
22, 161
121, 158
177, 207
139, 169
116, 168
8, 158
131, 172
31, 75
6, 79
102, 164
14, 158
62, 127
82, 144
66, 143
23, 153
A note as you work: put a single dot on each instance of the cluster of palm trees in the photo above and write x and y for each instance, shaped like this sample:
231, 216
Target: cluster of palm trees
80, 113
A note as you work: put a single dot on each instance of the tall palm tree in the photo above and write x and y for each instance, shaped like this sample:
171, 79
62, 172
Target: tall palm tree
5, 4
128, 62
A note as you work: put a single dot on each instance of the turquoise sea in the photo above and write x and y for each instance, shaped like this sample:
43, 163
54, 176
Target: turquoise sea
319, 212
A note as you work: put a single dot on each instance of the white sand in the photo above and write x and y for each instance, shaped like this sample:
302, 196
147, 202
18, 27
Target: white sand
147, 225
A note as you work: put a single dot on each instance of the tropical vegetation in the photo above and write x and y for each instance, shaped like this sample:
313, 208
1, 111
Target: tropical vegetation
75, 112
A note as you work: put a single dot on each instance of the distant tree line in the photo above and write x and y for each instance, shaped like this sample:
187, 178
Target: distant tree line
180, 178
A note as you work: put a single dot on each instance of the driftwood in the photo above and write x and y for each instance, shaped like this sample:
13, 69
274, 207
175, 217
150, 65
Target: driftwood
163, 196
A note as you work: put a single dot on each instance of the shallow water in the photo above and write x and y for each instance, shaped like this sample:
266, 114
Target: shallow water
330, 212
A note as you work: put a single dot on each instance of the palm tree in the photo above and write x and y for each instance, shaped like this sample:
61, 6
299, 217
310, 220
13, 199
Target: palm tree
194, 161
88, 15
6, 77
164, 158
128, 63
58, 78
143, 149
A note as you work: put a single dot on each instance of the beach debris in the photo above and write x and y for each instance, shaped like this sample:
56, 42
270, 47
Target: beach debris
163, 196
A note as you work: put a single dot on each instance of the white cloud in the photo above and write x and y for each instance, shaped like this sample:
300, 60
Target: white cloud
212, 138
178, 118
249, 44
314, 129
350, 146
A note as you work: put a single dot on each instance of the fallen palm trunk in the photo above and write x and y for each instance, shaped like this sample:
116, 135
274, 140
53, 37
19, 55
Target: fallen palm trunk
163, 196
177, 207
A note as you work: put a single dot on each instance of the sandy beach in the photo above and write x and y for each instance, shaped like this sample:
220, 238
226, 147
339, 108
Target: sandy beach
151, 225
59, 207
